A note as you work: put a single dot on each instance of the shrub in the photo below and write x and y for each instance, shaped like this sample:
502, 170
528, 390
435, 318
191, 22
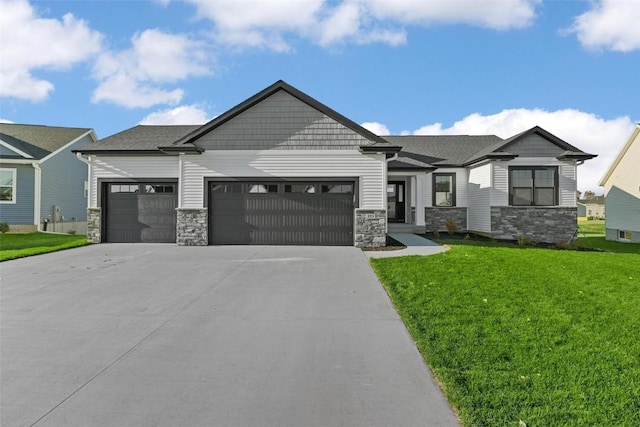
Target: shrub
4, 227
451, 226
467, 237
436, 233
525, 241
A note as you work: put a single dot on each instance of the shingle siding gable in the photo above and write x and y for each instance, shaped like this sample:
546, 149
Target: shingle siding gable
534, 145
281, 121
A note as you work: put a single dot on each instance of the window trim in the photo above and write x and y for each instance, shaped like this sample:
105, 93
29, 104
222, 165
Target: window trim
14, 186
556, 186
453, 189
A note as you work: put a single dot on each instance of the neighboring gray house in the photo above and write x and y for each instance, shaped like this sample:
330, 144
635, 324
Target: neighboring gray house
282, 168
621, 184
40, 178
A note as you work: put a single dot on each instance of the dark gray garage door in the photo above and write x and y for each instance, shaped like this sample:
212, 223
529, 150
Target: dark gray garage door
297, 213
141, 212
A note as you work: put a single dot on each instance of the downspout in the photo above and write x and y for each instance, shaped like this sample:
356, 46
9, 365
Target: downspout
37, 198
88, 163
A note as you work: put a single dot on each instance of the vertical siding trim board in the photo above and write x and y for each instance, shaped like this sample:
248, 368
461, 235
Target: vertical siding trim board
540, 224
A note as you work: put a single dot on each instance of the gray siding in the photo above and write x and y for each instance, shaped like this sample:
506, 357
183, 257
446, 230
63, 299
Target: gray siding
281, 121
534, 146
4, 151
63, 177
21, 212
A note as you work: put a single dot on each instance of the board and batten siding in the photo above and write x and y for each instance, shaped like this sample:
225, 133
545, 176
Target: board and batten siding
274, 164
281, 122
566, 179
134, 167
479, 198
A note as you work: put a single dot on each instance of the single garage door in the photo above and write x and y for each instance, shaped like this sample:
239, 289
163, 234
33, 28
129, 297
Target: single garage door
141, 212
292, 213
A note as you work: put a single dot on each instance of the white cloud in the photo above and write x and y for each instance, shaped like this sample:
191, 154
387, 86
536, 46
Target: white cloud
497, 15
588, 132
134, 78
31, 42
610, 24
377, 128
5, 121
269, 24
183, 115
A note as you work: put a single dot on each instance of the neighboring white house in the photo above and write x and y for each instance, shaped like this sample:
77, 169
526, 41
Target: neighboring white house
621, 184
282, 168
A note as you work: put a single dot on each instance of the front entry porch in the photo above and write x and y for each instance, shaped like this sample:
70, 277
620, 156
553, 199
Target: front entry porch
405, 202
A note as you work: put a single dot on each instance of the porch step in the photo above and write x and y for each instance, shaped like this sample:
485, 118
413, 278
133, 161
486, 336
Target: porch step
405, 228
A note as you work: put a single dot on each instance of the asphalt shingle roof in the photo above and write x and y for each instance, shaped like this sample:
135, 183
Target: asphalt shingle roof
37, 140
441, 150
141, 138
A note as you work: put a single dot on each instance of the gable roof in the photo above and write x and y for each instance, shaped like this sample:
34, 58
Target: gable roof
38, 141
464, 150
635, 135
376, 142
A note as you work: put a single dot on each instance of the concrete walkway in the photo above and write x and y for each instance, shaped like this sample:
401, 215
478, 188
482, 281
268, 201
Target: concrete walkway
415, 245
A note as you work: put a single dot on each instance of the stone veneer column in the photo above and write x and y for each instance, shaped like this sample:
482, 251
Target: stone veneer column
192, 228
371, 228
540, 224
94, 225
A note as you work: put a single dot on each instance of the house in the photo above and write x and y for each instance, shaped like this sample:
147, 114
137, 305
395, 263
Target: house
593, 208
621, 184
282, 168
42, 183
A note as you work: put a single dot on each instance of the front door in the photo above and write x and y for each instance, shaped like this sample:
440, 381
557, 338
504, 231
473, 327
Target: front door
395, 201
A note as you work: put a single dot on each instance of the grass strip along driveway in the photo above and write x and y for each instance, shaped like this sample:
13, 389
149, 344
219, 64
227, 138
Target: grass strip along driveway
21, 245
526, 336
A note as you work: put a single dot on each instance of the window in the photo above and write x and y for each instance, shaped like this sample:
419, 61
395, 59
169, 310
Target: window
263, 188
8, 185
226, 188
337, 188
444, 189
158, 188
533, 186
624, 235
125, 188
299, 188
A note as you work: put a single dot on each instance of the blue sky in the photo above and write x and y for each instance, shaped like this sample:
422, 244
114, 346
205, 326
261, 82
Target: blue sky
399, 67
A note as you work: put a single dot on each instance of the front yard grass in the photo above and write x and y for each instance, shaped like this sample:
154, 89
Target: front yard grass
591, 235
526, 336
22, 245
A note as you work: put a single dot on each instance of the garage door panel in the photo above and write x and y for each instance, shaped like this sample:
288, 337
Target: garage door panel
254, 213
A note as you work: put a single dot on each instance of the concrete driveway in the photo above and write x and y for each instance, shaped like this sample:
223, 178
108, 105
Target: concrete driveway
160, 335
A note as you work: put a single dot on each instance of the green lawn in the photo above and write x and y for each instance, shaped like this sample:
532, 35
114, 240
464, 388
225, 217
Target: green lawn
591, 235
526, 335
22, 245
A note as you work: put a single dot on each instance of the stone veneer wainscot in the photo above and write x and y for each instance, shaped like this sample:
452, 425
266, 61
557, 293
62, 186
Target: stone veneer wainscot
192, 227
540, 224
435, 218
371, 228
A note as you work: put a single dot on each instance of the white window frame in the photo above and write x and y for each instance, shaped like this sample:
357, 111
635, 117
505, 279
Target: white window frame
14, 190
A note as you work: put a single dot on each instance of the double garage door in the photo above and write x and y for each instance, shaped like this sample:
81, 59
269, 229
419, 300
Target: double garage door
277, 213
243, 213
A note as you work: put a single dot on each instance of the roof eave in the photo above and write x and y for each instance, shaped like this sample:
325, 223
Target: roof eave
502, 157
576, 156
182, 149
389, 151
121, 152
